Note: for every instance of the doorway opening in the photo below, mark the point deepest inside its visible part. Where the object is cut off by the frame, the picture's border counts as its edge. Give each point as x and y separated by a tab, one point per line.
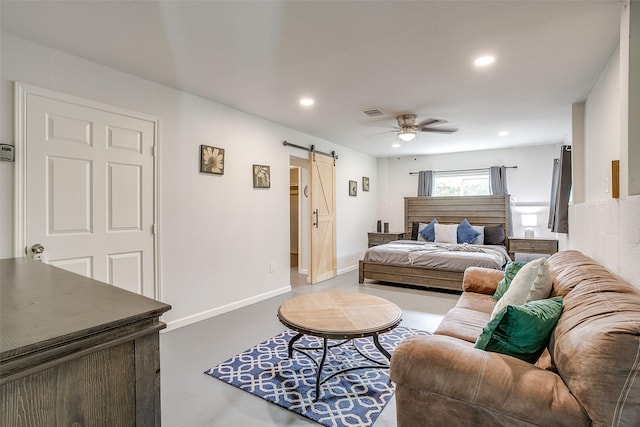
299	232
294	196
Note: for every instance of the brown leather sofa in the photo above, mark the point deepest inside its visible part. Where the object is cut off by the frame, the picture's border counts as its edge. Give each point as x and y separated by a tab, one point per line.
590	374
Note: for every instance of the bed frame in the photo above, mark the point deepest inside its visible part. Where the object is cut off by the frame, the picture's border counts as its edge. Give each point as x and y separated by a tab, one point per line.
479	210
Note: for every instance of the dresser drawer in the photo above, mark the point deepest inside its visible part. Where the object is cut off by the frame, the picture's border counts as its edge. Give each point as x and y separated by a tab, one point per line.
533	246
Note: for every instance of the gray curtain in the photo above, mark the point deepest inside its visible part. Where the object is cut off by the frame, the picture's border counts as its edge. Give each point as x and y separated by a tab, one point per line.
498	183
425	183
498	180
560	192
554	193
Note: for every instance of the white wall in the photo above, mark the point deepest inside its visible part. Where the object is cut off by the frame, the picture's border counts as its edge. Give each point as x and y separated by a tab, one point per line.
217	234
631	45
529	184
602	129
603	228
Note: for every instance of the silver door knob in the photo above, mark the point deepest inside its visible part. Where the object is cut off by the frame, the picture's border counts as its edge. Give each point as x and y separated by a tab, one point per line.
37	248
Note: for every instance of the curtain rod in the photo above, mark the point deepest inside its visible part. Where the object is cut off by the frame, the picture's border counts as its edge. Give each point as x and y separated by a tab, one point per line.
464	170
312	149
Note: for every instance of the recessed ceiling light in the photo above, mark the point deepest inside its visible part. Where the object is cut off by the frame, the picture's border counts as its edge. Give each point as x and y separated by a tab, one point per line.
307	102
484	60
395	145
503	133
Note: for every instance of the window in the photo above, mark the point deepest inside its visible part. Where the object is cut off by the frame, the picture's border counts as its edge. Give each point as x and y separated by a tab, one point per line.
470	183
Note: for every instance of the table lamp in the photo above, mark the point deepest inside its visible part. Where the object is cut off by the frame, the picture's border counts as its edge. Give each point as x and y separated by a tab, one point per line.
529	220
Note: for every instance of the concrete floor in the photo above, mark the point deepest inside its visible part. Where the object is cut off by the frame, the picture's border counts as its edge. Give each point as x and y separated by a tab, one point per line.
191	398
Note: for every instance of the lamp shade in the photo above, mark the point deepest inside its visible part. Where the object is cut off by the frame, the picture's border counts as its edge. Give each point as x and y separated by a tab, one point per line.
530	220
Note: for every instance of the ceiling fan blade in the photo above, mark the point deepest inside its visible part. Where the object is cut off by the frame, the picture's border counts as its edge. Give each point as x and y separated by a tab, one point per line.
381	133
428	122
440	130
384	126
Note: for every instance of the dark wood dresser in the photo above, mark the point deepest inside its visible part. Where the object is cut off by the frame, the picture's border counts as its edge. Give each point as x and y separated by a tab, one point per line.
75	351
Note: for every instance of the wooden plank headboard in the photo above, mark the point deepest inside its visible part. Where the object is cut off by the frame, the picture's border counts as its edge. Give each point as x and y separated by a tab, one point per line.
479	210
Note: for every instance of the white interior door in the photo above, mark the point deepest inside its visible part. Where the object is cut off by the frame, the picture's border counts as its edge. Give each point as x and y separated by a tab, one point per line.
89	189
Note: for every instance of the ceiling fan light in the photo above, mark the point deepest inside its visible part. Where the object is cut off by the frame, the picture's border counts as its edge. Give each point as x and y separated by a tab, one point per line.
407	135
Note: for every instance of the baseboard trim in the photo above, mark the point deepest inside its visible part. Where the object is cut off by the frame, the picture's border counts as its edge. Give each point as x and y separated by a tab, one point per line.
347	269
188	320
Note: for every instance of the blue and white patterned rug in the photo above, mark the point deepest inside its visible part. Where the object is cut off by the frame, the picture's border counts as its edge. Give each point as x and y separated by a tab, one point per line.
354	398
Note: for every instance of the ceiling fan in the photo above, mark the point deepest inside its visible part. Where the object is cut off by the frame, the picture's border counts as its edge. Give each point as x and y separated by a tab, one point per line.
407	127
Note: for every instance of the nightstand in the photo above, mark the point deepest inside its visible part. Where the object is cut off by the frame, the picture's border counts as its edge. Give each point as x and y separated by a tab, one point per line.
381	238
532	246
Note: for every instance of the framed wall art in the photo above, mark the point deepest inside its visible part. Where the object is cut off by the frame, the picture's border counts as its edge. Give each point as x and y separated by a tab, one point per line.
365	183
261	176
353	188
211	160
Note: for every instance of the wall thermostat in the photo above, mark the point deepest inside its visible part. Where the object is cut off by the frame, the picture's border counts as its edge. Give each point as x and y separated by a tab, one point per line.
7	153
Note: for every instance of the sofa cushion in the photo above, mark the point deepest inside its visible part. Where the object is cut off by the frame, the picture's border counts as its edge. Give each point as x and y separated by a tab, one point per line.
441	381
531	283
481	280
596	343
463	323
570	268
510	271
478	302
521	331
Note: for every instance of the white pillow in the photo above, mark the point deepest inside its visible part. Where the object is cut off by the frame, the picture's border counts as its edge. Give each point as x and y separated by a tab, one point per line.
480	239
532	282
446	233
421	226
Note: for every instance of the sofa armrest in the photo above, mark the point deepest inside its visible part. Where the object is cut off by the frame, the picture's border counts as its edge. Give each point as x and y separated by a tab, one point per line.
481	280
451	376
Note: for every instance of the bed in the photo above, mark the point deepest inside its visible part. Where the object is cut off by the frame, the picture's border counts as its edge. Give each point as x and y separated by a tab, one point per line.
399	265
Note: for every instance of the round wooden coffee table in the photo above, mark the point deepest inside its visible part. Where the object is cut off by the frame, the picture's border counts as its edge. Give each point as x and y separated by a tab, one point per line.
334	315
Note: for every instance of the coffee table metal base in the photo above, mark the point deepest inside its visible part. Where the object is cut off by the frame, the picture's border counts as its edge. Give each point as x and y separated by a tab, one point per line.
326	347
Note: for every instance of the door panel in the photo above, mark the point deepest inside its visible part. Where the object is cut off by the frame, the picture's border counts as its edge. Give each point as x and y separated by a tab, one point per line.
82	265
89	193
125	202
323	229
125	271
68	193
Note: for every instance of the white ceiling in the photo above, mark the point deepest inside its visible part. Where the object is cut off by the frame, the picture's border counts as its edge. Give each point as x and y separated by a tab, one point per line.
397	56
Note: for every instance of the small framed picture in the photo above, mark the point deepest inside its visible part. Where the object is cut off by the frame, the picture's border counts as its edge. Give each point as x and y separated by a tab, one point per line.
261	176
353	188
365	183
211	160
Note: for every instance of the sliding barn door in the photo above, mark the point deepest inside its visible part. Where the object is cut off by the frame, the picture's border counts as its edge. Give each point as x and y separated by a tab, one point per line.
323	217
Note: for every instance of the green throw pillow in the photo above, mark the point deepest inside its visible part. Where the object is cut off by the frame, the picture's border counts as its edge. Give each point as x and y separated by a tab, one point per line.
521	331
509	273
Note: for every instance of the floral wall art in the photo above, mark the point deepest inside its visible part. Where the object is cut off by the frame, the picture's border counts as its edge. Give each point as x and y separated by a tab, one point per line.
261	176
211	160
